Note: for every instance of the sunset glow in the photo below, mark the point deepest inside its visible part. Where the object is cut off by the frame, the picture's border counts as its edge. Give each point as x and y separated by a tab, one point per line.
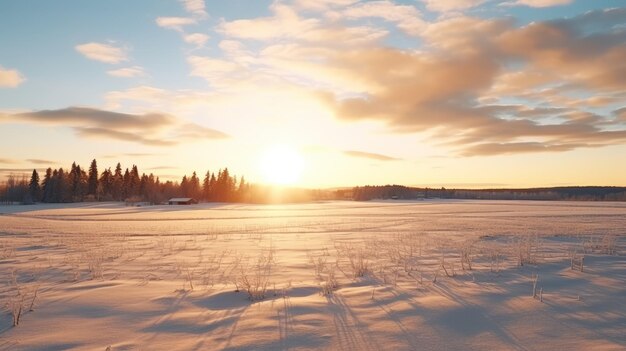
313	175
281	165
452	93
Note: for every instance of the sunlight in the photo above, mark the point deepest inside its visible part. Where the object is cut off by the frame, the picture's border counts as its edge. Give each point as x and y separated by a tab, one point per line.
281	165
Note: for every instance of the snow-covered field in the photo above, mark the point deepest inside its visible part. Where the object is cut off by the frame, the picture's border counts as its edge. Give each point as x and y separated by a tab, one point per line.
428	275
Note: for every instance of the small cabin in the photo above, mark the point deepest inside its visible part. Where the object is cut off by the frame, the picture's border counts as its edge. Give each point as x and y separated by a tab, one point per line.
182	201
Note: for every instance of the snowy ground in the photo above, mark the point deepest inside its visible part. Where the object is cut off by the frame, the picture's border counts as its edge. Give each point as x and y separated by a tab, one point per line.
336	276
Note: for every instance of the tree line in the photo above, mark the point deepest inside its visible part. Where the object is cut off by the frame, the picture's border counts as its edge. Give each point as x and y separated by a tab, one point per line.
572	193
78	184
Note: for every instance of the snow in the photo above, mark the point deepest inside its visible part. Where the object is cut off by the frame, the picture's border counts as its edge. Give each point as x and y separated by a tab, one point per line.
110	275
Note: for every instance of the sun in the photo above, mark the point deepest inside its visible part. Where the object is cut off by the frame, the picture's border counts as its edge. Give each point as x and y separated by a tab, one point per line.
281	165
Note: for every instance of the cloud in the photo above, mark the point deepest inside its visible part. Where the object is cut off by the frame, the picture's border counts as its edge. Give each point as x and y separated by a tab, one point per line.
154	129
284	23
176	23
141	93
102	52
91	117
542	3
194	131
20	170
127	72
10	78
215	70
564	48
489	149
407	17
322	5
287	25
620	114
131	154
420	91
8	161
40	162
195	7
476	86
451	5
370	155
103	133
197	39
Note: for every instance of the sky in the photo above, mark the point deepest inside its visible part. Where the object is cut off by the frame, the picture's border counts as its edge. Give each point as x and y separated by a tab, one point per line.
455	93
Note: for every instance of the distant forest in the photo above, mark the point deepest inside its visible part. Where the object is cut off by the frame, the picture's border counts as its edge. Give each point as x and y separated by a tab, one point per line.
77	185
577	193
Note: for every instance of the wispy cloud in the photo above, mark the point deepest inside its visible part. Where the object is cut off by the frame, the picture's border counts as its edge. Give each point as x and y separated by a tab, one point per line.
195	7
154	129
127	72
176	23
541	3
106	53
451	5
10	78
370	155
284	23
620	114
197	39
407	17
122	136
40	161
20	170
132	154
8	161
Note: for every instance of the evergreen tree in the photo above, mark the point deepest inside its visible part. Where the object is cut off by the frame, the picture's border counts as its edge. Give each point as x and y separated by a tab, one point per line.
241	189
134	182
118	183
34	188
77	182
213	186
194	187
46	186
184	187
105	186
63	191
126	185
206	186
92	186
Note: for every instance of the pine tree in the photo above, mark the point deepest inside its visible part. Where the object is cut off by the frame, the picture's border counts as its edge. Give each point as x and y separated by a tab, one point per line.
206	186
105	186
241	190
213	187
118	183
134	182
194	186
46	186
34	188
184	187
126	185
92	186
77	182
63	191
